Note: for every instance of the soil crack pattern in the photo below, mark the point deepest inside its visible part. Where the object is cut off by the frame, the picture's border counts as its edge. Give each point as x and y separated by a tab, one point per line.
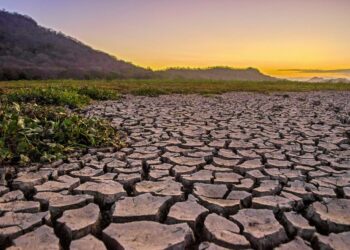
232	171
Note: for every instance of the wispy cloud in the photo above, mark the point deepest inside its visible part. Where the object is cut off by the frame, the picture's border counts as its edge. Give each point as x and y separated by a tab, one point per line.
339	71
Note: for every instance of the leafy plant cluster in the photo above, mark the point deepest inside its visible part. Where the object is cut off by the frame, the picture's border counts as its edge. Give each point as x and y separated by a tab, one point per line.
147	91
98	93
35	133
49	96
36	126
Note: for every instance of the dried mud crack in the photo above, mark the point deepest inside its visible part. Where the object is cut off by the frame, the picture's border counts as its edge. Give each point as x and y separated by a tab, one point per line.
235	171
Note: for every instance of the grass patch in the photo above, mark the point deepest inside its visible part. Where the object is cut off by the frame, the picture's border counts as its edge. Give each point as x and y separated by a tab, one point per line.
155	87
65	96
33	133
148	91
49	96
98	93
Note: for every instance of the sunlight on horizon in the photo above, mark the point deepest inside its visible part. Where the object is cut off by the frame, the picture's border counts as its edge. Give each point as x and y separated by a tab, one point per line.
269	35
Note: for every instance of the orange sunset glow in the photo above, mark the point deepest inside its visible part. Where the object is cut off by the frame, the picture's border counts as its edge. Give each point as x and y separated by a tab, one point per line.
291	38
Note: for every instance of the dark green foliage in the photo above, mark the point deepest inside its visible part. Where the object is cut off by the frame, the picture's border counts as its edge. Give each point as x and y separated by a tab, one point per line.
71	97
49	96
152	92
33	133
98	93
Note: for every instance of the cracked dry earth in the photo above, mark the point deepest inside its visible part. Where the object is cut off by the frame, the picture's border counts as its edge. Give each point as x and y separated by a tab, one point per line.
236	171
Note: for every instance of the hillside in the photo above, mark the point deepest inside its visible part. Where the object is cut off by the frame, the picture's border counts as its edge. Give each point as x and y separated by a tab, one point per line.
29	51
216	73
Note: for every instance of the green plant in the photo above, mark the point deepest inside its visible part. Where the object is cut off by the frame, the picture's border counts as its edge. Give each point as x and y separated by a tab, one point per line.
148	91
33	133
98	93
49	96
155	87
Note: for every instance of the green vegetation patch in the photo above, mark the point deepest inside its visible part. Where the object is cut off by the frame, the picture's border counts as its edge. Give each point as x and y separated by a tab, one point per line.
71	97
155	87
34	133
98	93
49	96
148	91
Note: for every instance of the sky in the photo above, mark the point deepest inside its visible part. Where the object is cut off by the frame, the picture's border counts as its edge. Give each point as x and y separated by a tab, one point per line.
284	38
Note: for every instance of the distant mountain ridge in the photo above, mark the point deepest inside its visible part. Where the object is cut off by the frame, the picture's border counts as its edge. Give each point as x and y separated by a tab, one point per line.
328	80
216	73
30	51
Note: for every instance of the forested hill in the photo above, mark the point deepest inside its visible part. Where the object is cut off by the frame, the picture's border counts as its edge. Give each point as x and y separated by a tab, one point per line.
216	73
29	51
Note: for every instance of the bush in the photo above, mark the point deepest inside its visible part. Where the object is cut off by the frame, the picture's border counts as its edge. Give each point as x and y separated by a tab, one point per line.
98	93
71	97
49	96
152	92
32	133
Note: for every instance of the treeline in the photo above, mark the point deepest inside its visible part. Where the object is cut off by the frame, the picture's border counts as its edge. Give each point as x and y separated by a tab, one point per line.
216	73
9	74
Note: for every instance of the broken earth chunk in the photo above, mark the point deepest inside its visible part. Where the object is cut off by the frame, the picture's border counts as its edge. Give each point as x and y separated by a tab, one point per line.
260	227
145	235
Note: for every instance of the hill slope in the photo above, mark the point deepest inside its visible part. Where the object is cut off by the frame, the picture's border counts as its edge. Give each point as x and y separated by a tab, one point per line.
216	73
29	51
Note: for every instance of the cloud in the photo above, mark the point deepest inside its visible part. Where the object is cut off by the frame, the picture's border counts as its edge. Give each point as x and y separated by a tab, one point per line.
339	71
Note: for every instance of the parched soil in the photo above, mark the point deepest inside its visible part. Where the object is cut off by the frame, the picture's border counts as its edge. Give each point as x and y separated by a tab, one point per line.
233	171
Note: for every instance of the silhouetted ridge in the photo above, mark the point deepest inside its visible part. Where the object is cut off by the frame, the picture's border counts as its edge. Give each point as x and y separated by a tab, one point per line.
216	73
29	51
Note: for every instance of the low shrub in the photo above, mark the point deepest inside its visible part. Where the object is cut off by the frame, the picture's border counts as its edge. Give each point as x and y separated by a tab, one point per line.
98	93
49	96
34	133
152	92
